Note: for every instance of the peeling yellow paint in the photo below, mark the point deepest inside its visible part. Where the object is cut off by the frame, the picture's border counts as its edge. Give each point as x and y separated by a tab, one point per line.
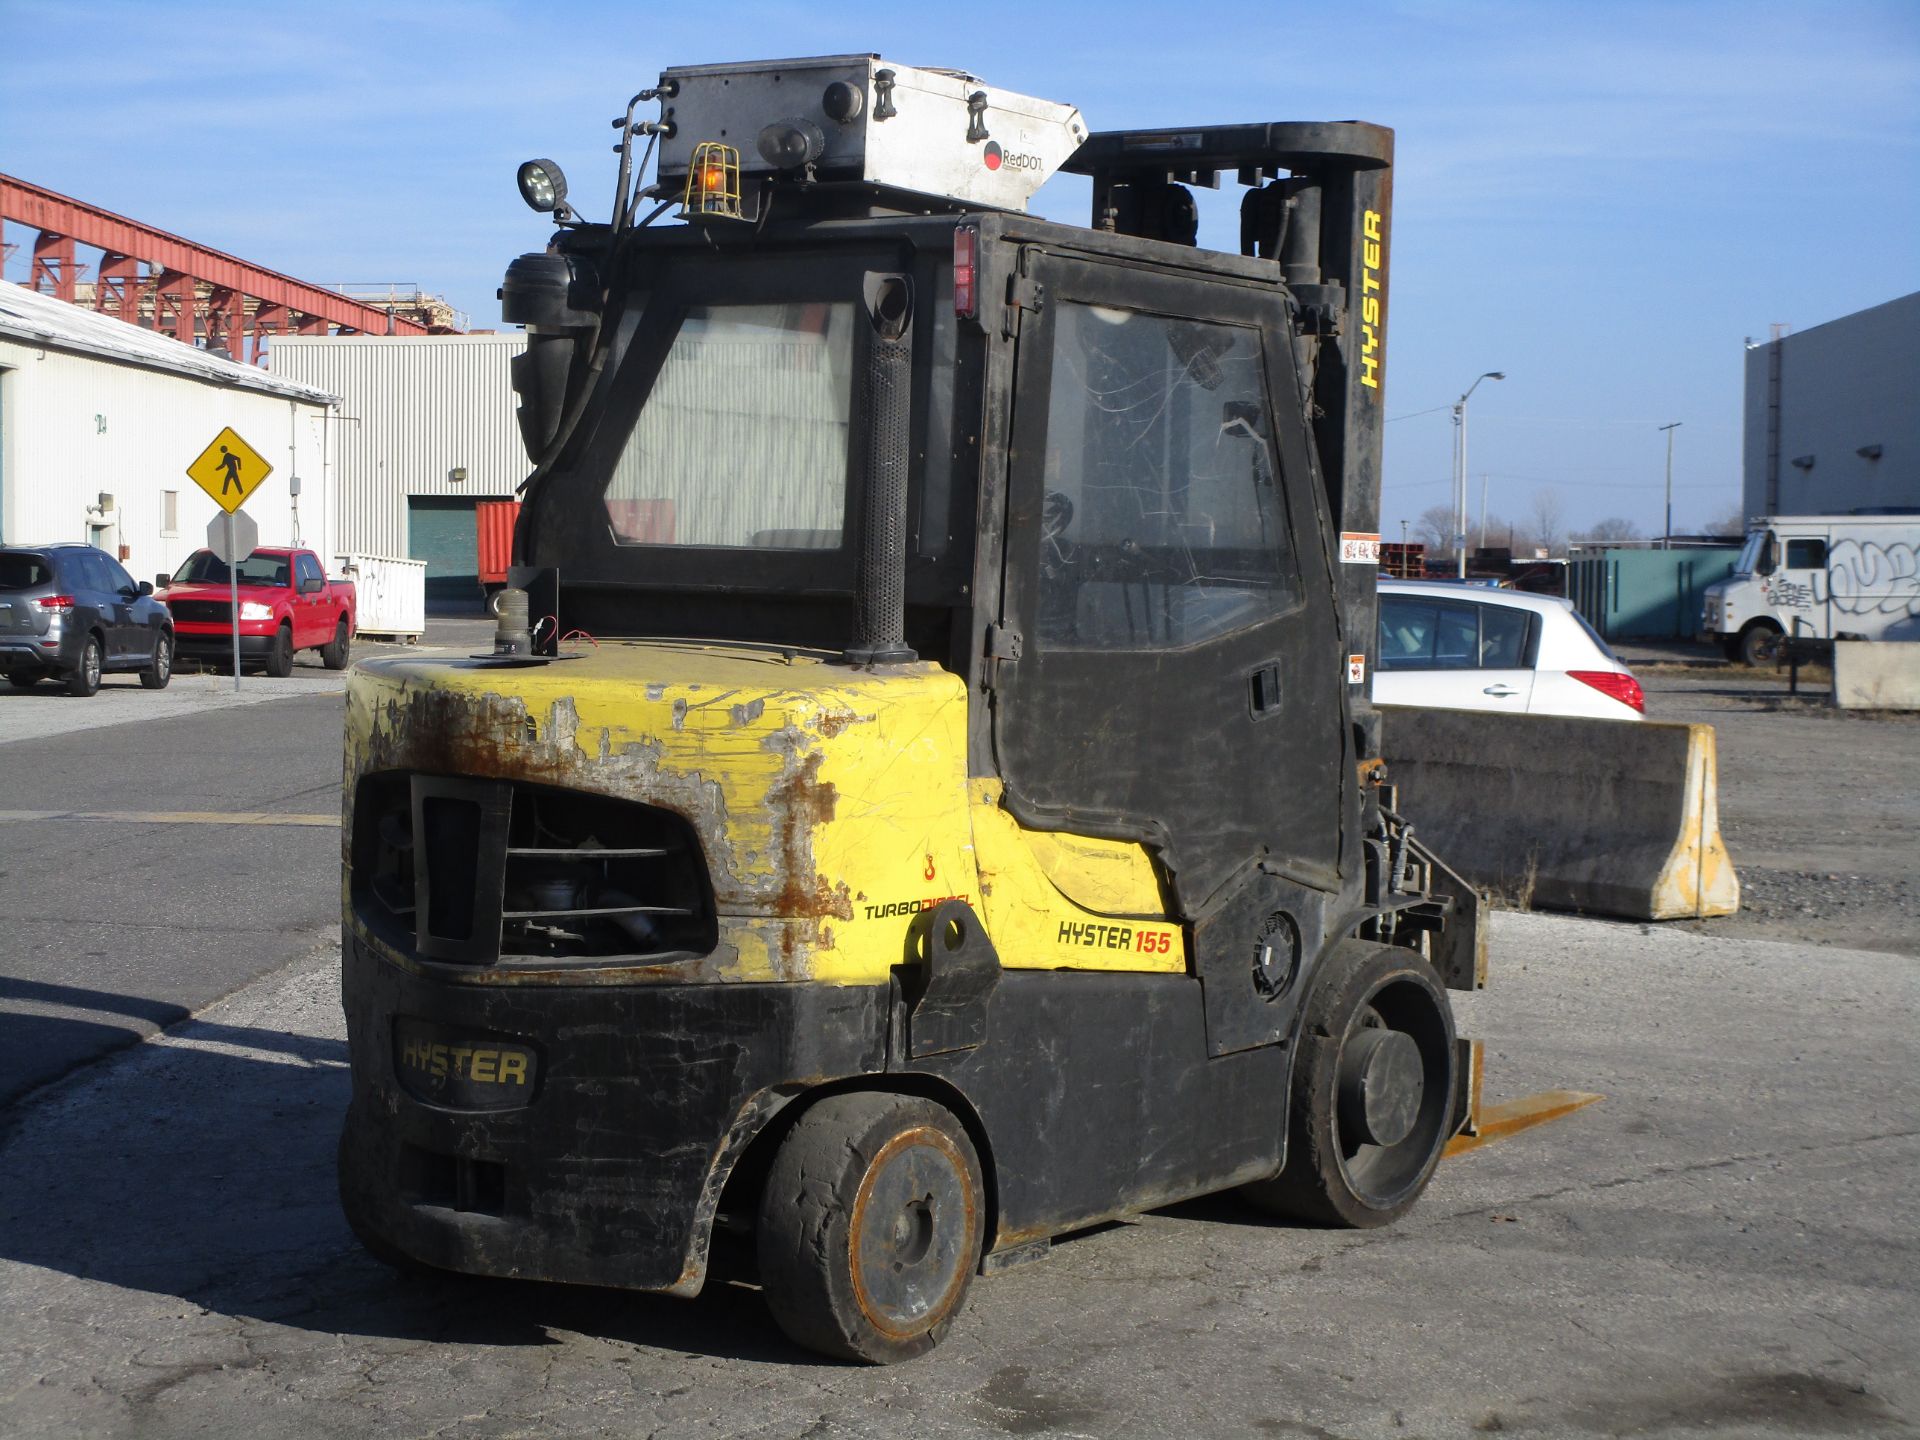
832	804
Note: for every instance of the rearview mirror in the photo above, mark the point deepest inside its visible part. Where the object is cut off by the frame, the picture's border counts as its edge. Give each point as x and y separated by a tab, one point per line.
146	587
163	580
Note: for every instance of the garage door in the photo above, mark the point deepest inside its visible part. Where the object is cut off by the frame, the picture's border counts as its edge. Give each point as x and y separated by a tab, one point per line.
442	532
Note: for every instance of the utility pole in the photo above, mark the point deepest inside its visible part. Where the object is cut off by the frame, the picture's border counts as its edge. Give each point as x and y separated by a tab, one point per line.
1483	509
1460	468
1667	543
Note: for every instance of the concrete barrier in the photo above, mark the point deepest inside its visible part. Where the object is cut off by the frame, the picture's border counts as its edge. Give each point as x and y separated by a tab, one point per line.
1601	816
1876	674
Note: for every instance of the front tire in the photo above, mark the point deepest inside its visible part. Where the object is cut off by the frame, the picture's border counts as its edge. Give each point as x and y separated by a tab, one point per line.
870	1227
160	669
1372	1097
280	656
1759	646
85	677
334	654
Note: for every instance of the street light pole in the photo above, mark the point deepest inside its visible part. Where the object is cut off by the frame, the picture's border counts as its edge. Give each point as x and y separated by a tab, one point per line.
1667	543
1460	468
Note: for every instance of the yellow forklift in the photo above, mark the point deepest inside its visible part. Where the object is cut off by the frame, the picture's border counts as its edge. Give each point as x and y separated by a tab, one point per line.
922	799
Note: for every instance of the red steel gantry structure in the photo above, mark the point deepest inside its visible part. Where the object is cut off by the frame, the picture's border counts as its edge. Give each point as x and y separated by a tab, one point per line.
194	292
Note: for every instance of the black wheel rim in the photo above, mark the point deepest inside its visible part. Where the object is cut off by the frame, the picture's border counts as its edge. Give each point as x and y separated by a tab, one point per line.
1418	1050
912	1233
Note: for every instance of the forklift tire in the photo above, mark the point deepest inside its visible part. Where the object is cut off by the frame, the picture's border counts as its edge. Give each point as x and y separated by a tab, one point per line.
870	1226
1372	1091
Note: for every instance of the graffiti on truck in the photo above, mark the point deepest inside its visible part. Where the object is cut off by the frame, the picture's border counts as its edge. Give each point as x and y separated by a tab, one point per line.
1868	578
1785	594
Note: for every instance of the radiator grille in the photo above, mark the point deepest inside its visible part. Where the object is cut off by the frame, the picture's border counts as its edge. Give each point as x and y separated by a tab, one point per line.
490	872
201	612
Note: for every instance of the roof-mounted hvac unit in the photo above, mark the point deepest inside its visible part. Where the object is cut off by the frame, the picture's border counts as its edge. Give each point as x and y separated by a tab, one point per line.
938	133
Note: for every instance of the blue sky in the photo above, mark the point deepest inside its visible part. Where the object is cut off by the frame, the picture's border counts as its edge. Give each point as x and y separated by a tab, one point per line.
1602	200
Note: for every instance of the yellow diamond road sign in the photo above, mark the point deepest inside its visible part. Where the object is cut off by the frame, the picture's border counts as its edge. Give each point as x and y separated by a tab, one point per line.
229	470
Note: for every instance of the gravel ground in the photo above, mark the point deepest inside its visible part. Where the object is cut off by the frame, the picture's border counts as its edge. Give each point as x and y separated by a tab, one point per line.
1819	807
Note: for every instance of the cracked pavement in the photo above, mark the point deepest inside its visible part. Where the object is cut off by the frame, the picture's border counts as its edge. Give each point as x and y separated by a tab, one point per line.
1727	1243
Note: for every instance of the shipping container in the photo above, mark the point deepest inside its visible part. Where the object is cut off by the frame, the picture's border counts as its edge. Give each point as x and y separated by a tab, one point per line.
493	522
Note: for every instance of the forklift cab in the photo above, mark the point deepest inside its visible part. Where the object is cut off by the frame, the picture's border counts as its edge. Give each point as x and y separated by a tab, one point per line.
923	799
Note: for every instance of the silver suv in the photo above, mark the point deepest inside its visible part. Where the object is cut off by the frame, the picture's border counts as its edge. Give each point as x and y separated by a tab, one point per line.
71	611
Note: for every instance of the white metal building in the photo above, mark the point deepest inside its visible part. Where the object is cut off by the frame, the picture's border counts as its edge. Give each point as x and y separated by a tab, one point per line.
1833	416
99	420
427	428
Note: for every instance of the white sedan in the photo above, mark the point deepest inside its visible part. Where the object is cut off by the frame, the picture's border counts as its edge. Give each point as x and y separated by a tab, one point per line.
1467	647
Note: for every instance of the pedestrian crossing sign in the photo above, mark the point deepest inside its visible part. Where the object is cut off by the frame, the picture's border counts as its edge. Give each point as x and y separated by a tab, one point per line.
229	470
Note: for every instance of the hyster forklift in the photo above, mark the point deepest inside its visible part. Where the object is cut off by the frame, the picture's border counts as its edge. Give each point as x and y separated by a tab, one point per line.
922	799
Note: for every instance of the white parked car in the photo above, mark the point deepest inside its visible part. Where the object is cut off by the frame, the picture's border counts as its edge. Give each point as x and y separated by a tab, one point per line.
1467	647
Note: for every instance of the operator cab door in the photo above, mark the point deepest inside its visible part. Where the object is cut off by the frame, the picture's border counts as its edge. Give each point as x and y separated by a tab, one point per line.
1180	678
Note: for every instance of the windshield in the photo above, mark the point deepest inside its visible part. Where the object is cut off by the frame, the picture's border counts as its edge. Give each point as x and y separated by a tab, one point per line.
1750	553
742	442
206	568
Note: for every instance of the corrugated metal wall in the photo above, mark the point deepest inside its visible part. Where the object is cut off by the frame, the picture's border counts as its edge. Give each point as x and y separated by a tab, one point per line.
72	426
412	412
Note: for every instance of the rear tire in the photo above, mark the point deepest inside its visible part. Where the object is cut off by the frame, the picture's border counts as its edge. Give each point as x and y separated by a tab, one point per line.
280	656
25	679
870	1226
335	653
1372	1102
84	679
1759	645
160	669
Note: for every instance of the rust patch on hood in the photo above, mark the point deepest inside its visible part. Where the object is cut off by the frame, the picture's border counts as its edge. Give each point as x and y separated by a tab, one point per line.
801	803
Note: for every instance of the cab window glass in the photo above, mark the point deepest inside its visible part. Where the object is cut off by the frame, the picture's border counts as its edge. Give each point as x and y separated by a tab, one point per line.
1433	635
1162	522
1806	554
1406	633
742	441
308	568
24	572
1503	637
1456	640
117	577
93	571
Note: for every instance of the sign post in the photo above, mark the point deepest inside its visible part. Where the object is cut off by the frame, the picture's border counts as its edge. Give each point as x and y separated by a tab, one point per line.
233	537
230	470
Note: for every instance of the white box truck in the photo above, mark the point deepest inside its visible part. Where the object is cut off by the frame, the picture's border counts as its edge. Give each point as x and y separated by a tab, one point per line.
1841	577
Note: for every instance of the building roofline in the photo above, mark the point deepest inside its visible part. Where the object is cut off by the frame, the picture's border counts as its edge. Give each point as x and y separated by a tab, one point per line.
30	318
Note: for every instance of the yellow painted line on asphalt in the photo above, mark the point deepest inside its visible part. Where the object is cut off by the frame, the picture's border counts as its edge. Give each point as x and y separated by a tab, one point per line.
175	817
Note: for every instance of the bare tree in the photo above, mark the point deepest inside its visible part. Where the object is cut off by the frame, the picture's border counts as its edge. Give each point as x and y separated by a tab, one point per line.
1435	527
1614	527
1549	518
1732	522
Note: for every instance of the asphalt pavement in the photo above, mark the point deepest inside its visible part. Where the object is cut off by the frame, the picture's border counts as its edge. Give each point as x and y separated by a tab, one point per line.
160	849
1725	1245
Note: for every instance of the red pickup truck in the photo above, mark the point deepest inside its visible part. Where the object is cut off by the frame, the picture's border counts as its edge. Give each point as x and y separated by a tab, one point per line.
287	603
